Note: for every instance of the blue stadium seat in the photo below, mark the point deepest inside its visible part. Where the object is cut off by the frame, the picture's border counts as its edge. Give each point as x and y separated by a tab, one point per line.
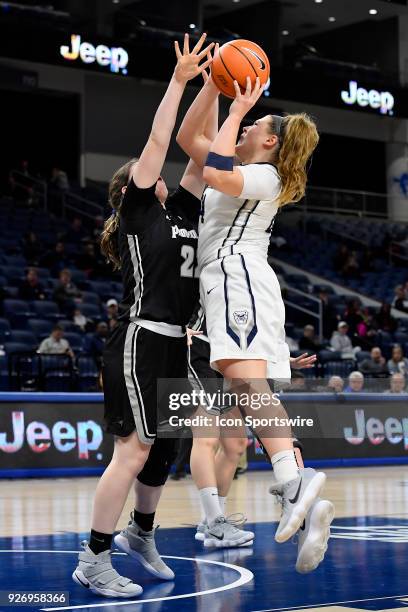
40	327
361	355
15	347
18	261
88	373
401	337
89	297
339	368
69	326
90	310
17	311
13	274
46	309
24	337
326	356
57	373
5	330
75	340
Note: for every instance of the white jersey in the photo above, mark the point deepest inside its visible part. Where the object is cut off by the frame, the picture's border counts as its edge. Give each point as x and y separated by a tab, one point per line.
231	225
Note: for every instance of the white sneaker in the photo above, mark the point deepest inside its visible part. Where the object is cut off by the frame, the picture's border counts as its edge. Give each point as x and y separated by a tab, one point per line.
200	533
223	533
95	572
313	536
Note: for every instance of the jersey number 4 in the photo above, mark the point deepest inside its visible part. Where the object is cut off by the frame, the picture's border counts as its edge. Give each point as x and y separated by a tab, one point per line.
188	270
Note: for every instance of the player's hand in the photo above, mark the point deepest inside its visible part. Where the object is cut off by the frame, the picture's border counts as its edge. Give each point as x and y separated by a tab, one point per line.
245	101
188	62
190	334
303	361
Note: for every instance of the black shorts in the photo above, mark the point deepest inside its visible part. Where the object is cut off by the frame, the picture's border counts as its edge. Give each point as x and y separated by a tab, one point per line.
200	373
134	359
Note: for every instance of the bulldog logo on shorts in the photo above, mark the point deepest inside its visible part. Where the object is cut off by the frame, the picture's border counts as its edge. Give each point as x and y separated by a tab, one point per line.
241	317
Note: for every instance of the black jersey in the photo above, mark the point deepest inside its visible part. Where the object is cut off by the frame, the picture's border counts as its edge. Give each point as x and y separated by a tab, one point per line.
158	252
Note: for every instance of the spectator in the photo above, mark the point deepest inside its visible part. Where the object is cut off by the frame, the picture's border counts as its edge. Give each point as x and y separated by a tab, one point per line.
328	313
95	343
298	382
384	319
397	384
366	332
336	384
341	342
341	256
76	233
86	260
97	231
400	301
56	344
355	383
56	259
353	317
32	248
397	363
66	293
31	289
308	341
112	308
80	320
59	179
375	366
351	268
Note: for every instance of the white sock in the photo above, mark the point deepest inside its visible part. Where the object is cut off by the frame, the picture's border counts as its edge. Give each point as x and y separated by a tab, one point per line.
284	466
211	505
223	503
203	516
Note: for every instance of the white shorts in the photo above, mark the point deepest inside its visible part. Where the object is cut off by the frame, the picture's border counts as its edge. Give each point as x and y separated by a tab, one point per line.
244	311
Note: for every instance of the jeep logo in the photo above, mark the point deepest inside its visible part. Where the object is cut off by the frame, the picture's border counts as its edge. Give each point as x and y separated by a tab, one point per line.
383	101
116	58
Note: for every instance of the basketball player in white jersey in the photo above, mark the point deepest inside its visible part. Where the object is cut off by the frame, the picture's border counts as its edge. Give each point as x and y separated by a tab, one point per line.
239	291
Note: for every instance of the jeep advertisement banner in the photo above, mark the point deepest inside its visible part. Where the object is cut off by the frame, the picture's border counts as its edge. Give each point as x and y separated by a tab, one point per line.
53	435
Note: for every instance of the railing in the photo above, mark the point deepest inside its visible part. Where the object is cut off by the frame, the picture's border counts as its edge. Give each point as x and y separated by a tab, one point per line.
80	206
347	202
316	315
27	181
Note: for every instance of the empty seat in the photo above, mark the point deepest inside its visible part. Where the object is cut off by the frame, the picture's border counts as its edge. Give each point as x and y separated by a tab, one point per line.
5	330
89	297
40	327
48	310
75	340
15	347
24	337
90	310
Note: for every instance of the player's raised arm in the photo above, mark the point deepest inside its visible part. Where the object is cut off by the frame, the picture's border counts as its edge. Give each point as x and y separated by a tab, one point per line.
188	66
200	124
219	171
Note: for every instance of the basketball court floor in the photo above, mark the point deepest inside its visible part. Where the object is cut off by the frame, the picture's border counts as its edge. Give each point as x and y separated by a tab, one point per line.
366	567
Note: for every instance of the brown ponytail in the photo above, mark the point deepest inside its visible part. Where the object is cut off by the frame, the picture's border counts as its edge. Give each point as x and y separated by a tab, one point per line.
109	245
299	139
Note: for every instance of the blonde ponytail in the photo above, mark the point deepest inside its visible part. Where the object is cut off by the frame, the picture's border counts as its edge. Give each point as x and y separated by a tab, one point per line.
109	242
299	139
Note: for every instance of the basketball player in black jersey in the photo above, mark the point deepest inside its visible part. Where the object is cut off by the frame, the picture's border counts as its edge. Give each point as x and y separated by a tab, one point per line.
155	249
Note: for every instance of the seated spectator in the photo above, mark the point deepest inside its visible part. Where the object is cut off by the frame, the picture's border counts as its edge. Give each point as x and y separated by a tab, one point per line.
341	256
86	260
355	383
56	344
56	259
366	331
31	289
297	383
384	319
80	320
400	301
66	294
353	317
112	308
397	384
341	342
59	179
76	233
397	363
95	343
308	341
32	248
351	268
375	366
336	384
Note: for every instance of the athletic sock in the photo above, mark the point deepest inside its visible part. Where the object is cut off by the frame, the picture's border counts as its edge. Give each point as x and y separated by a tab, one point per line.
203	518
100	541
211	505
144	521
223	503
284	466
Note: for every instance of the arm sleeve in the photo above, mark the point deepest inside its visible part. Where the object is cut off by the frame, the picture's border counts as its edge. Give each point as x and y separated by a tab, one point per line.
184	203
140	208
261	182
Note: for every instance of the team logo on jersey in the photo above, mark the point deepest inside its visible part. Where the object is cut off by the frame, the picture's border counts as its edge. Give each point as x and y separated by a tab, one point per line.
184	233
241	317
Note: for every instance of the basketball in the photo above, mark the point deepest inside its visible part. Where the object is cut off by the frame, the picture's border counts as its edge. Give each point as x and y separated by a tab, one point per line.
236	60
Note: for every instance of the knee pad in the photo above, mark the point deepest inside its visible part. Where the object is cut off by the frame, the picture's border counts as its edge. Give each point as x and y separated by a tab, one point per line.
157	467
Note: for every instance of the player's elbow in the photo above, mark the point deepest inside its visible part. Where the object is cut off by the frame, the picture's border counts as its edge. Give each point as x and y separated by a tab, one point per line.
211	177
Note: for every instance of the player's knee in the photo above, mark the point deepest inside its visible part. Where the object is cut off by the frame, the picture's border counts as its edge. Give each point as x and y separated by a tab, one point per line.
206	445
157	467
233	448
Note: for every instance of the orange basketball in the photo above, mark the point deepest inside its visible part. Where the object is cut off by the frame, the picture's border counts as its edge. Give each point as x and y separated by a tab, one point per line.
235	61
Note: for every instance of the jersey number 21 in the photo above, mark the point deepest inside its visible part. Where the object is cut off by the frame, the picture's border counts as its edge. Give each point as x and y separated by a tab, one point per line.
187	269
